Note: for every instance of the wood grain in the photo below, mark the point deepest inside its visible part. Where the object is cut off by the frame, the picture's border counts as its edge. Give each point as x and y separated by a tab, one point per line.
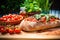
45	34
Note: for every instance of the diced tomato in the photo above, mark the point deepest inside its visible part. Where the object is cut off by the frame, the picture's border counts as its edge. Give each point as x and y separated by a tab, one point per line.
34	20
52	19
31	19
43	19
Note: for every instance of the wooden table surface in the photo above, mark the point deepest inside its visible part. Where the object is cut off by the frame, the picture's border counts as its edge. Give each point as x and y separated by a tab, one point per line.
50	34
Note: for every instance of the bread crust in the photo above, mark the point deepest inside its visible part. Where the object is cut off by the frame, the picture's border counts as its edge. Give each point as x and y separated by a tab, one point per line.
34	26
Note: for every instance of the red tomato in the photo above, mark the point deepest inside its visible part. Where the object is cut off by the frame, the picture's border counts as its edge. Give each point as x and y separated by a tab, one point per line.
4	19
1	19
43	19
16	18
7	29
1	27
2	30
52	19
10	15
14	15
20	16
17	30
34	20
4	16
31	19
11	31
11	18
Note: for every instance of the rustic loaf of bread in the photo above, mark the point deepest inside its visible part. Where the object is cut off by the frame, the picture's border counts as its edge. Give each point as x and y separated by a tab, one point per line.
34	26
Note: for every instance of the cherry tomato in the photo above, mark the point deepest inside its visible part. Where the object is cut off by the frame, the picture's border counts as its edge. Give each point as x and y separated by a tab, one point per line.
1	19
34	20
2	30
4	19
17	30
4	16
16	18
1	27
11	18
11	31
7	29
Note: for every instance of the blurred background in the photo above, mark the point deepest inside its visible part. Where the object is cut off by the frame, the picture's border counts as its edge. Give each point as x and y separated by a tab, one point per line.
8	6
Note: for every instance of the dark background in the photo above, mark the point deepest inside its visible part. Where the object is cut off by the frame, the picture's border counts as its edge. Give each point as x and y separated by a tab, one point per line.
55	5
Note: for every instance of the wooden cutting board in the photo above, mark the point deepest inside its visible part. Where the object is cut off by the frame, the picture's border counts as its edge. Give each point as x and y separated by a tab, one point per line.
45	34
